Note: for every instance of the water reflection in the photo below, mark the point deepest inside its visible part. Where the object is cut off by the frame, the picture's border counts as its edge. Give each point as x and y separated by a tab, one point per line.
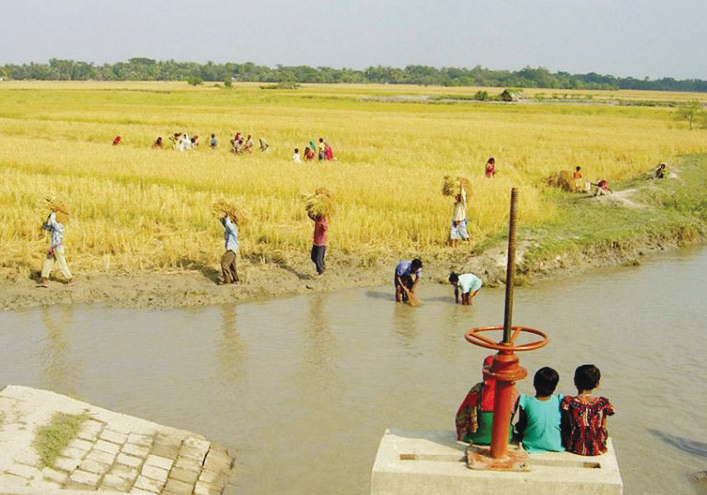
405	324
318	333
230	355
59	370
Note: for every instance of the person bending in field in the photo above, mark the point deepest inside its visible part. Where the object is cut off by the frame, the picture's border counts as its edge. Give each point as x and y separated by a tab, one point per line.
264	145
229	260
249	144
309	154
467	284
213	143
295	157
407	275
490	169
602	188
157	144
117	140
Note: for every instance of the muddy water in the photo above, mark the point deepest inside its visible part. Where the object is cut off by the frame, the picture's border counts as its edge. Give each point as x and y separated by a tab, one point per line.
301	389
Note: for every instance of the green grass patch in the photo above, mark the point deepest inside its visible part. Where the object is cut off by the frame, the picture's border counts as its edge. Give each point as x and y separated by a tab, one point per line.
54	437
676	209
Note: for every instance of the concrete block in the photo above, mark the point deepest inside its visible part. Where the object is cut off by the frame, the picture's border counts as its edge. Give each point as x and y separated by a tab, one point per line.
90	430
188	463
85	478
129	473
105	446
94	467
135	449
66	463
114	483
138	491
202	488
28	457
113	436
148	484
433	463
50	474
100	456
177	487
160	462
81	445
129	460
12	481
24	471
73	453
218	459
138	439
195	448
185	475
155	473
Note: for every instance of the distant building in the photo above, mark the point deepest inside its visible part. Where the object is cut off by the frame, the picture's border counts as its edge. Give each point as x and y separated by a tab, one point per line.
511	95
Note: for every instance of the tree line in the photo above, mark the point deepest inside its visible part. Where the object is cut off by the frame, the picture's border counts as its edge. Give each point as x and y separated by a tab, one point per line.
146	69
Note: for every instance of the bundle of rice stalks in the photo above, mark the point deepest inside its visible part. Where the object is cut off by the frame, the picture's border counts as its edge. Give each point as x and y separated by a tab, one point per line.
451	186
320	204
562	179
59	208
233	211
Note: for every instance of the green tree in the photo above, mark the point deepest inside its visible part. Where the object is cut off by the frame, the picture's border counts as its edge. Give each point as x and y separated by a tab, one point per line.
691	112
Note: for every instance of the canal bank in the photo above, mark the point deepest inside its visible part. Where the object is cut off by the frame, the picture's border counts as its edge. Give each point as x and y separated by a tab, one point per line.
642	217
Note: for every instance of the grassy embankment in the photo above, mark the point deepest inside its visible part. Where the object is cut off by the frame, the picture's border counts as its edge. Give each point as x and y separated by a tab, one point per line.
140	210
657	214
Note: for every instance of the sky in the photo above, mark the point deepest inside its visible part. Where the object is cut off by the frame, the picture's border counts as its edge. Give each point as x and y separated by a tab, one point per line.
637	38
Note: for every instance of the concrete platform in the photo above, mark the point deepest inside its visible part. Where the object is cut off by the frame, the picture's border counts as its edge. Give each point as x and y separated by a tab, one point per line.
112	453
433	463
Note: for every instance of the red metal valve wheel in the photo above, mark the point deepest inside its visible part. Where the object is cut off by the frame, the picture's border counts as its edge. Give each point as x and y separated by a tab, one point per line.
474	336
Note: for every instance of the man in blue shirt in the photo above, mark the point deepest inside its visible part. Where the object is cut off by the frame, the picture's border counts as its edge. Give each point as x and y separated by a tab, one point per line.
230	257
403	280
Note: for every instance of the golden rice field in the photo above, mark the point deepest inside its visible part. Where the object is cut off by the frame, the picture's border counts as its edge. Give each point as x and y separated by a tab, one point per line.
138	209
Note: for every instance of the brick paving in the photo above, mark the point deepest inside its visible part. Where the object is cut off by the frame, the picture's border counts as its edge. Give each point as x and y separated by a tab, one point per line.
112	452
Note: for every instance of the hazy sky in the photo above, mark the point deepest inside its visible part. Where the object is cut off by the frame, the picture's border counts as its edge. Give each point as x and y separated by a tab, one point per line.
639	38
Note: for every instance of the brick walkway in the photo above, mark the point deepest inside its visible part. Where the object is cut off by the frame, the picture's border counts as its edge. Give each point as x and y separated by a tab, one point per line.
112	452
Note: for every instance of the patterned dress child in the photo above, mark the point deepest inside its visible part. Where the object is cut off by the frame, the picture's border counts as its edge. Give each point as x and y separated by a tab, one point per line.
583	427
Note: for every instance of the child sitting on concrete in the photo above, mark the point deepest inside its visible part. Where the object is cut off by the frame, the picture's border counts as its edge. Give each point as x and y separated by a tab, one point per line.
475	414
539	417
584	416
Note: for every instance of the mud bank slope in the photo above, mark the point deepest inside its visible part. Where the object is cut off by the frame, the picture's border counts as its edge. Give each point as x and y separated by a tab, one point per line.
644	217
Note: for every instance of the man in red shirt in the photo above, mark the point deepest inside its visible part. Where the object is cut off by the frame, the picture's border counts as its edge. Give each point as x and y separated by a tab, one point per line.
321	226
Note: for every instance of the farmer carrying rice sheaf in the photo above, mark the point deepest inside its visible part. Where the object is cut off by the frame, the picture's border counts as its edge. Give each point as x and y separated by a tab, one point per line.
320	206
55	222
458	227
231	217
